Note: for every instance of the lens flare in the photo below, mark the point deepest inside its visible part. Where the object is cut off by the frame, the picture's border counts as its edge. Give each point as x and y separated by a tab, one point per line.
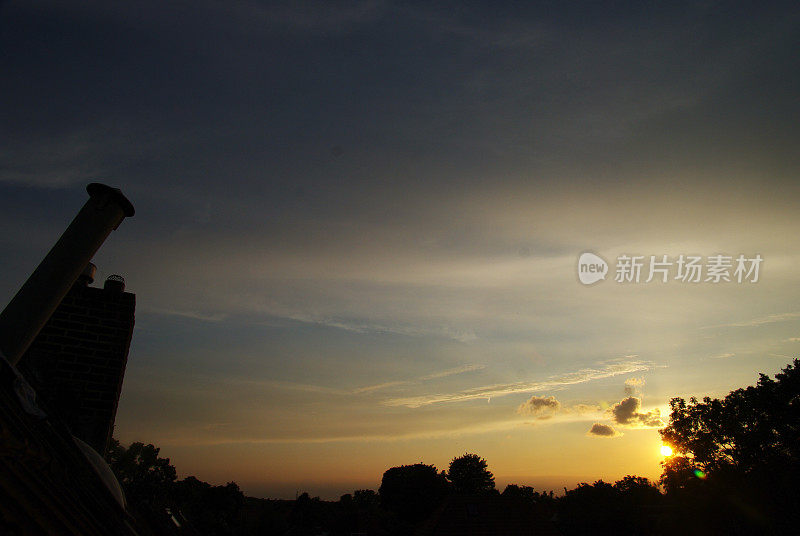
699	474
666	450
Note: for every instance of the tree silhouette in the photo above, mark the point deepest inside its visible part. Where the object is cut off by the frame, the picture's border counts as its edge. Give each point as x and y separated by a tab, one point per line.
639	500
213	509
590	509
626	507
365	498
519	493
739	457
144	476
159	502
749	428
469	474
307	515
412	491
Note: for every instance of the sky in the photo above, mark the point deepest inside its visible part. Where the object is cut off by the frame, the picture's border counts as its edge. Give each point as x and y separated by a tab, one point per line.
358	224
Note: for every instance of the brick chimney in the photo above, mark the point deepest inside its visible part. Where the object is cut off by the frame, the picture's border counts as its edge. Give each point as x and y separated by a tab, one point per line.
77	362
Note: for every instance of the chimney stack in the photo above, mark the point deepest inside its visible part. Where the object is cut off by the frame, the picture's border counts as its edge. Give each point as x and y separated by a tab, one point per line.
31	307
87	275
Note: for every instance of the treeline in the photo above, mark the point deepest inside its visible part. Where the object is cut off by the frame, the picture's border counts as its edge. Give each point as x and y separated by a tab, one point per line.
735	471
161	504
408	498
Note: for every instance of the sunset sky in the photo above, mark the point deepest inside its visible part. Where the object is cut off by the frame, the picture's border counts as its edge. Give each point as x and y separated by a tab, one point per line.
358	224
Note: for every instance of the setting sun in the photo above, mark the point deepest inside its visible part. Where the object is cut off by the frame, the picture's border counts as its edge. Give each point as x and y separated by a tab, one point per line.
666	450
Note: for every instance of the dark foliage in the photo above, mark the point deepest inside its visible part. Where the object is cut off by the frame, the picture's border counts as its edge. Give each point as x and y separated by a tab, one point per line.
412	491
210	509
736	462
630	506
747	429
365	498
527	494
144	476
470	474
521	493
165	505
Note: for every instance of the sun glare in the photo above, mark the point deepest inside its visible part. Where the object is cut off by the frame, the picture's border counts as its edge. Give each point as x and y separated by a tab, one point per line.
666	450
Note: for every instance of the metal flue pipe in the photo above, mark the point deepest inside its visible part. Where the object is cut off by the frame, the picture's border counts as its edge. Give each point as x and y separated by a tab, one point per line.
31	307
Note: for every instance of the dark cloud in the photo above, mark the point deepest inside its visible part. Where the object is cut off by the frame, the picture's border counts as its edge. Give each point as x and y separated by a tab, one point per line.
537	405
602	430
627	413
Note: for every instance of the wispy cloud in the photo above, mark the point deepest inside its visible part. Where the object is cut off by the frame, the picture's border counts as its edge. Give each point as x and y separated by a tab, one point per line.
379	386
399	329
311	388
453	371
432	376
202	436
758	321
224	433
609	369
722	356
195	315
634	386
582	409
287	385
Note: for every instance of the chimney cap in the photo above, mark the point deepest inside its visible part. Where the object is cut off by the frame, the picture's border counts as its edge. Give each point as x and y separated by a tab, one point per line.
116	194
115	283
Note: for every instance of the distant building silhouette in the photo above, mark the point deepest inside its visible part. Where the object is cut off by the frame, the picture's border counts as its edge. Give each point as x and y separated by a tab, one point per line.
77	362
